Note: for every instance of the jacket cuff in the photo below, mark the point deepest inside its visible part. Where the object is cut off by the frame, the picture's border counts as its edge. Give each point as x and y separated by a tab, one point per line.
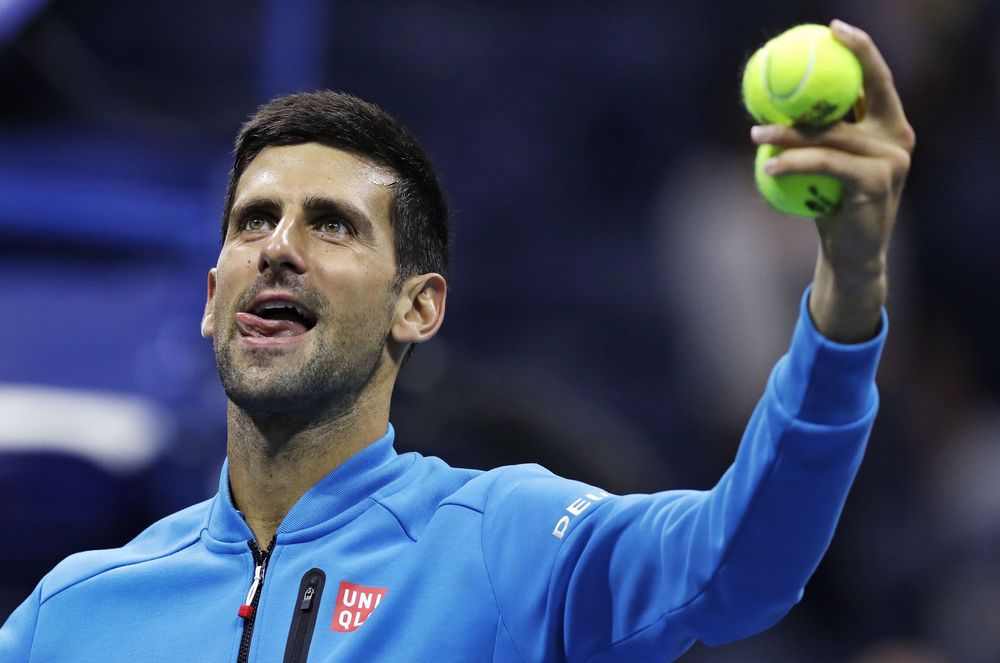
824	382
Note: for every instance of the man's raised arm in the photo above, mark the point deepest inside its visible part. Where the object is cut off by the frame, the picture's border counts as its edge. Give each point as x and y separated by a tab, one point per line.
591	577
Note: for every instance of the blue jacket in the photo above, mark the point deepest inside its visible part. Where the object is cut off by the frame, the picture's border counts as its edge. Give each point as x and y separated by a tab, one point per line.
403	558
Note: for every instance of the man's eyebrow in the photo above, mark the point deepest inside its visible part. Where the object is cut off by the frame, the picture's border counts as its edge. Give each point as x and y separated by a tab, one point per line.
321	205
262	204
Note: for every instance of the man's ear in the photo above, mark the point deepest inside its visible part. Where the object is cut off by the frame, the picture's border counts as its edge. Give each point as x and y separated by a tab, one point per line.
420	309
208	317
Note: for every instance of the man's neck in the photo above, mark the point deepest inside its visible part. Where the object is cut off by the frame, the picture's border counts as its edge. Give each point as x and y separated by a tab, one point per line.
274	459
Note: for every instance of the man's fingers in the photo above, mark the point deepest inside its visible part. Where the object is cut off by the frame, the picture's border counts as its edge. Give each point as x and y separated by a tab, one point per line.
841	136
880	91
875	176
882	100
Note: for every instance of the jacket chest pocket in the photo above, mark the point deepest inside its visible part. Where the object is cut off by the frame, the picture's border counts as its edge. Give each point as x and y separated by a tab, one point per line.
306	611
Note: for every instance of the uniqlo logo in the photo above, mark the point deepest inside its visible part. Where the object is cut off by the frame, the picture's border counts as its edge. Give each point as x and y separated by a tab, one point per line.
354	604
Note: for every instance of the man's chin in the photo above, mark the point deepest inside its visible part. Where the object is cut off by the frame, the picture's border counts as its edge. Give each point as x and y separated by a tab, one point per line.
265	379
293	378
257	398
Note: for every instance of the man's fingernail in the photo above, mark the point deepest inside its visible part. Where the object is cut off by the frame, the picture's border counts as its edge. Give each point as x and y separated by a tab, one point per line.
771	166
761	134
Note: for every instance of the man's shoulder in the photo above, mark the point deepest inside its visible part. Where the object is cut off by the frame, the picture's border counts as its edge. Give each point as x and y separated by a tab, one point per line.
165	537
444	485
432	484
493	485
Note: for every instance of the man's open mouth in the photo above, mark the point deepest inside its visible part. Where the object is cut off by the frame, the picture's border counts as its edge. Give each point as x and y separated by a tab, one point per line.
274	316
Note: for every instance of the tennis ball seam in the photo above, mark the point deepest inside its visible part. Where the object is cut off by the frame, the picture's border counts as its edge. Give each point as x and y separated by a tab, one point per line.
810	65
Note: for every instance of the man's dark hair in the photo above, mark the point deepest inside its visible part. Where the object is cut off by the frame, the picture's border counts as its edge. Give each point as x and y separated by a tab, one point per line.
418	213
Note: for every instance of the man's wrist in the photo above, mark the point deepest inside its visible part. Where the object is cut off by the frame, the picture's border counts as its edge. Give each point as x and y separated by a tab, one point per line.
846	301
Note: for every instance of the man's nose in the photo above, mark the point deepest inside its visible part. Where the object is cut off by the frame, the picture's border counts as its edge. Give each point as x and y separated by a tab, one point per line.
283	250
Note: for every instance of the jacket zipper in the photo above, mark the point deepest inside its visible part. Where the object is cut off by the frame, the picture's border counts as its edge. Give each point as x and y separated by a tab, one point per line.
248	611
304	616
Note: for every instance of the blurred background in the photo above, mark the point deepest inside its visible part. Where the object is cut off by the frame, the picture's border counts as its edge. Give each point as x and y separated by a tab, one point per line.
619	290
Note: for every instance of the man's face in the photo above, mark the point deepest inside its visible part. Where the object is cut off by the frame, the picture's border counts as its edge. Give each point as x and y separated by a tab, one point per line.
302	299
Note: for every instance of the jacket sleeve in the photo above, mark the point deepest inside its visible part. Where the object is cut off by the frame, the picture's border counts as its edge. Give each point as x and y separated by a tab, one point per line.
18	631
641	577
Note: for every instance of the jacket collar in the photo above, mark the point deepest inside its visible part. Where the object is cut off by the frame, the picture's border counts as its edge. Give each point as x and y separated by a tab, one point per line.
335	500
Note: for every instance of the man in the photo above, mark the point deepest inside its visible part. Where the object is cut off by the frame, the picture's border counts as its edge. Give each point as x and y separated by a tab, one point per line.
323	544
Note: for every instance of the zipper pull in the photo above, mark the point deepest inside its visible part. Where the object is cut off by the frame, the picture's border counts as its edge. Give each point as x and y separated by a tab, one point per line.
246	610
307	598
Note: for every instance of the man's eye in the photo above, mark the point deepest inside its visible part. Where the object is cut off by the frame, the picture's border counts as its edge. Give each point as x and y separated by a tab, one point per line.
253	223
334	228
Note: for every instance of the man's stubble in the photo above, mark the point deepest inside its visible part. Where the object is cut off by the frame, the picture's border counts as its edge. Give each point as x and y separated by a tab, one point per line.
320	387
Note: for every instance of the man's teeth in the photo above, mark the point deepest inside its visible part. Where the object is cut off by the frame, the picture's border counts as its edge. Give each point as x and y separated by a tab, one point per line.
273	305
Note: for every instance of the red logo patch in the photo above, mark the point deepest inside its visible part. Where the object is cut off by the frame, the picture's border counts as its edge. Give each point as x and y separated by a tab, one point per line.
354	604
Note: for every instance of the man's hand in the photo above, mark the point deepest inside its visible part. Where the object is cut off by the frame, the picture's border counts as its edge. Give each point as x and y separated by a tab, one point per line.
871	157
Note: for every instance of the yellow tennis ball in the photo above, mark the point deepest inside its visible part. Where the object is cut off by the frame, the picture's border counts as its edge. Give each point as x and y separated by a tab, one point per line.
799	194
802	76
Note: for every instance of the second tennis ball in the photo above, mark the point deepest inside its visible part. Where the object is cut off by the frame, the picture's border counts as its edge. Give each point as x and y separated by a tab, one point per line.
803	76
805	195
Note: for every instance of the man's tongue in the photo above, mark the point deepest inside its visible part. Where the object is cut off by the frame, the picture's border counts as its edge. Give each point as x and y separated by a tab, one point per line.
253	325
